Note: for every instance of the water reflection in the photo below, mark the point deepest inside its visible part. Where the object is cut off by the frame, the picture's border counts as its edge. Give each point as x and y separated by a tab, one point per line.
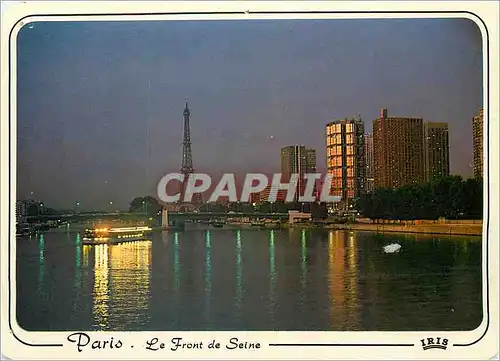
208	273
165	236
85	251
352	281
176	264
303	259
343	282
343	278
130	264
238	270
78	272
336	271
78	251
78	261
272	275
41	258
123	271
101	291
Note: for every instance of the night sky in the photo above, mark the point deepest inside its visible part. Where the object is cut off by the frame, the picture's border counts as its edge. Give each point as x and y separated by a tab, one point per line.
100	103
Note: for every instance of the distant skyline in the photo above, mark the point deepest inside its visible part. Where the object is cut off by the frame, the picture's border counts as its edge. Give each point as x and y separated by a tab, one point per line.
100	103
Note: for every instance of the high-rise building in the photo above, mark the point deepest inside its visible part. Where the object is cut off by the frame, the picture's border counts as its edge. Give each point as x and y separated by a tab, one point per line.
345	158
263	197
477	135
398	151
21	210
28	207
436	151
255	198
369	178
297	159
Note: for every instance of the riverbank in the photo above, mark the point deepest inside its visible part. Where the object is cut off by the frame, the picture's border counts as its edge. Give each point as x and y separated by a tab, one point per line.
459	228
473	229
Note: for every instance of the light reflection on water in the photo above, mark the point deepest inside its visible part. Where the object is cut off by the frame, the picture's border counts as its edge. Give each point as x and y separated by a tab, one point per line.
208	276
101	291
239	280
328	280
272	276
303	259
176	264
41	270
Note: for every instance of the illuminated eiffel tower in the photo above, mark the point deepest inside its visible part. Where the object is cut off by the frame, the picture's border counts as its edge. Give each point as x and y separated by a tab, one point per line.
187	163
187	157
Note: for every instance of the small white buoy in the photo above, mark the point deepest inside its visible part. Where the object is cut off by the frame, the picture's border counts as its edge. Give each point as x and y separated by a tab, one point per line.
391	248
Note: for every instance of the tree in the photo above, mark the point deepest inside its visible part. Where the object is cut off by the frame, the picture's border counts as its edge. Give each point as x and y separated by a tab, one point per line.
147	205
33	210
319	211
450	197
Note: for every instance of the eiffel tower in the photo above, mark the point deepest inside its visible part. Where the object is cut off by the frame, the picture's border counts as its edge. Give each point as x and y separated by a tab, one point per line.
187	163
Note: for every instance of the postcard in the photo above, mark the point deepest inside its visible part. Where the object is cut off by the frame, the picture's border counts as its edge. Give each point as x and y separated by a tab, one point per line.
236	180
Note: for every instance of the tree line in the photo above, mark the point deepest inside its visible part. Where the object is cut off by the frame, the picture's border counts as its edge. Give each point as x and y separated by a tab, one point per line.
451	198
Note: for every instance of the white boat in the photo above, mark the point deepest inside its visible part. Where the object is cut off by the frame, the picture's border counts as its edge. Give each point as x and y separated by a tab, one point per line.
391	248
115	235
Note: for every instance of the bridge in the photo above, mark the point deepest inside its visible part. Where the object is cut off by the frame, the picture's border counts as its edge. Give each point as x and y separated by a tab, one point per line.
127	216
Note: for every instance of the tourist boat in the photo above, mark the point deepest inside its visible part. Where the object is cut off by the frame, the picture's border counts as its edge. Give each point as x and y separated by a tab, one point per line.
115	235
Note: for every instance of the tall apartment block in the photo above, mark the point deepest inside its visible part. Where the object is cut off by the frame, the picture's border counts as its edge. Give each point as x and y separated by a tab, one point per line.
263	197
369	166
437	151
477	136
345	158
398	153
297	159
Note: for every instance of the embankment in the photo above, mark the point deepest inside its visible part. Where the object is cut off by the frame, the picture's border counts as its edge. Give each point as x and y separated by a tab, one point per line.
472	228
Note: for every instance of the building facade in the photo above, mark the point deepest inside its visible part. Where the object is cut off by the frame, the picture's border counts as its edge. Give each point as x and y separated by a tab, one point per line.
28	207
477	135
369	177
297	159
437	151
345	158
263	197
21	210
398	153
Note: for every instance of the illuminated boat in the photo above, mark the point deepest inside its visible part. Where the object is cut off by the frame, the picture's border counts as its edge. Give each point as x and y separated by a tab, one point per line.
115	235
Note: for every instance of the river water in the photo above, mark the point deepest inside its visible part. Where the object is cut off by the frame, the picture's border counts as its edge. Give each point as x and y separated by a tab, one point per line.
245	279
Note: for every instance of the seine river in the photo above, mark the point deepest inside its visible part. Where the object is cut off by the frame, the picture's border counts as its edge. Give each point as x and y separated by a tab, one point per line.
245	279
